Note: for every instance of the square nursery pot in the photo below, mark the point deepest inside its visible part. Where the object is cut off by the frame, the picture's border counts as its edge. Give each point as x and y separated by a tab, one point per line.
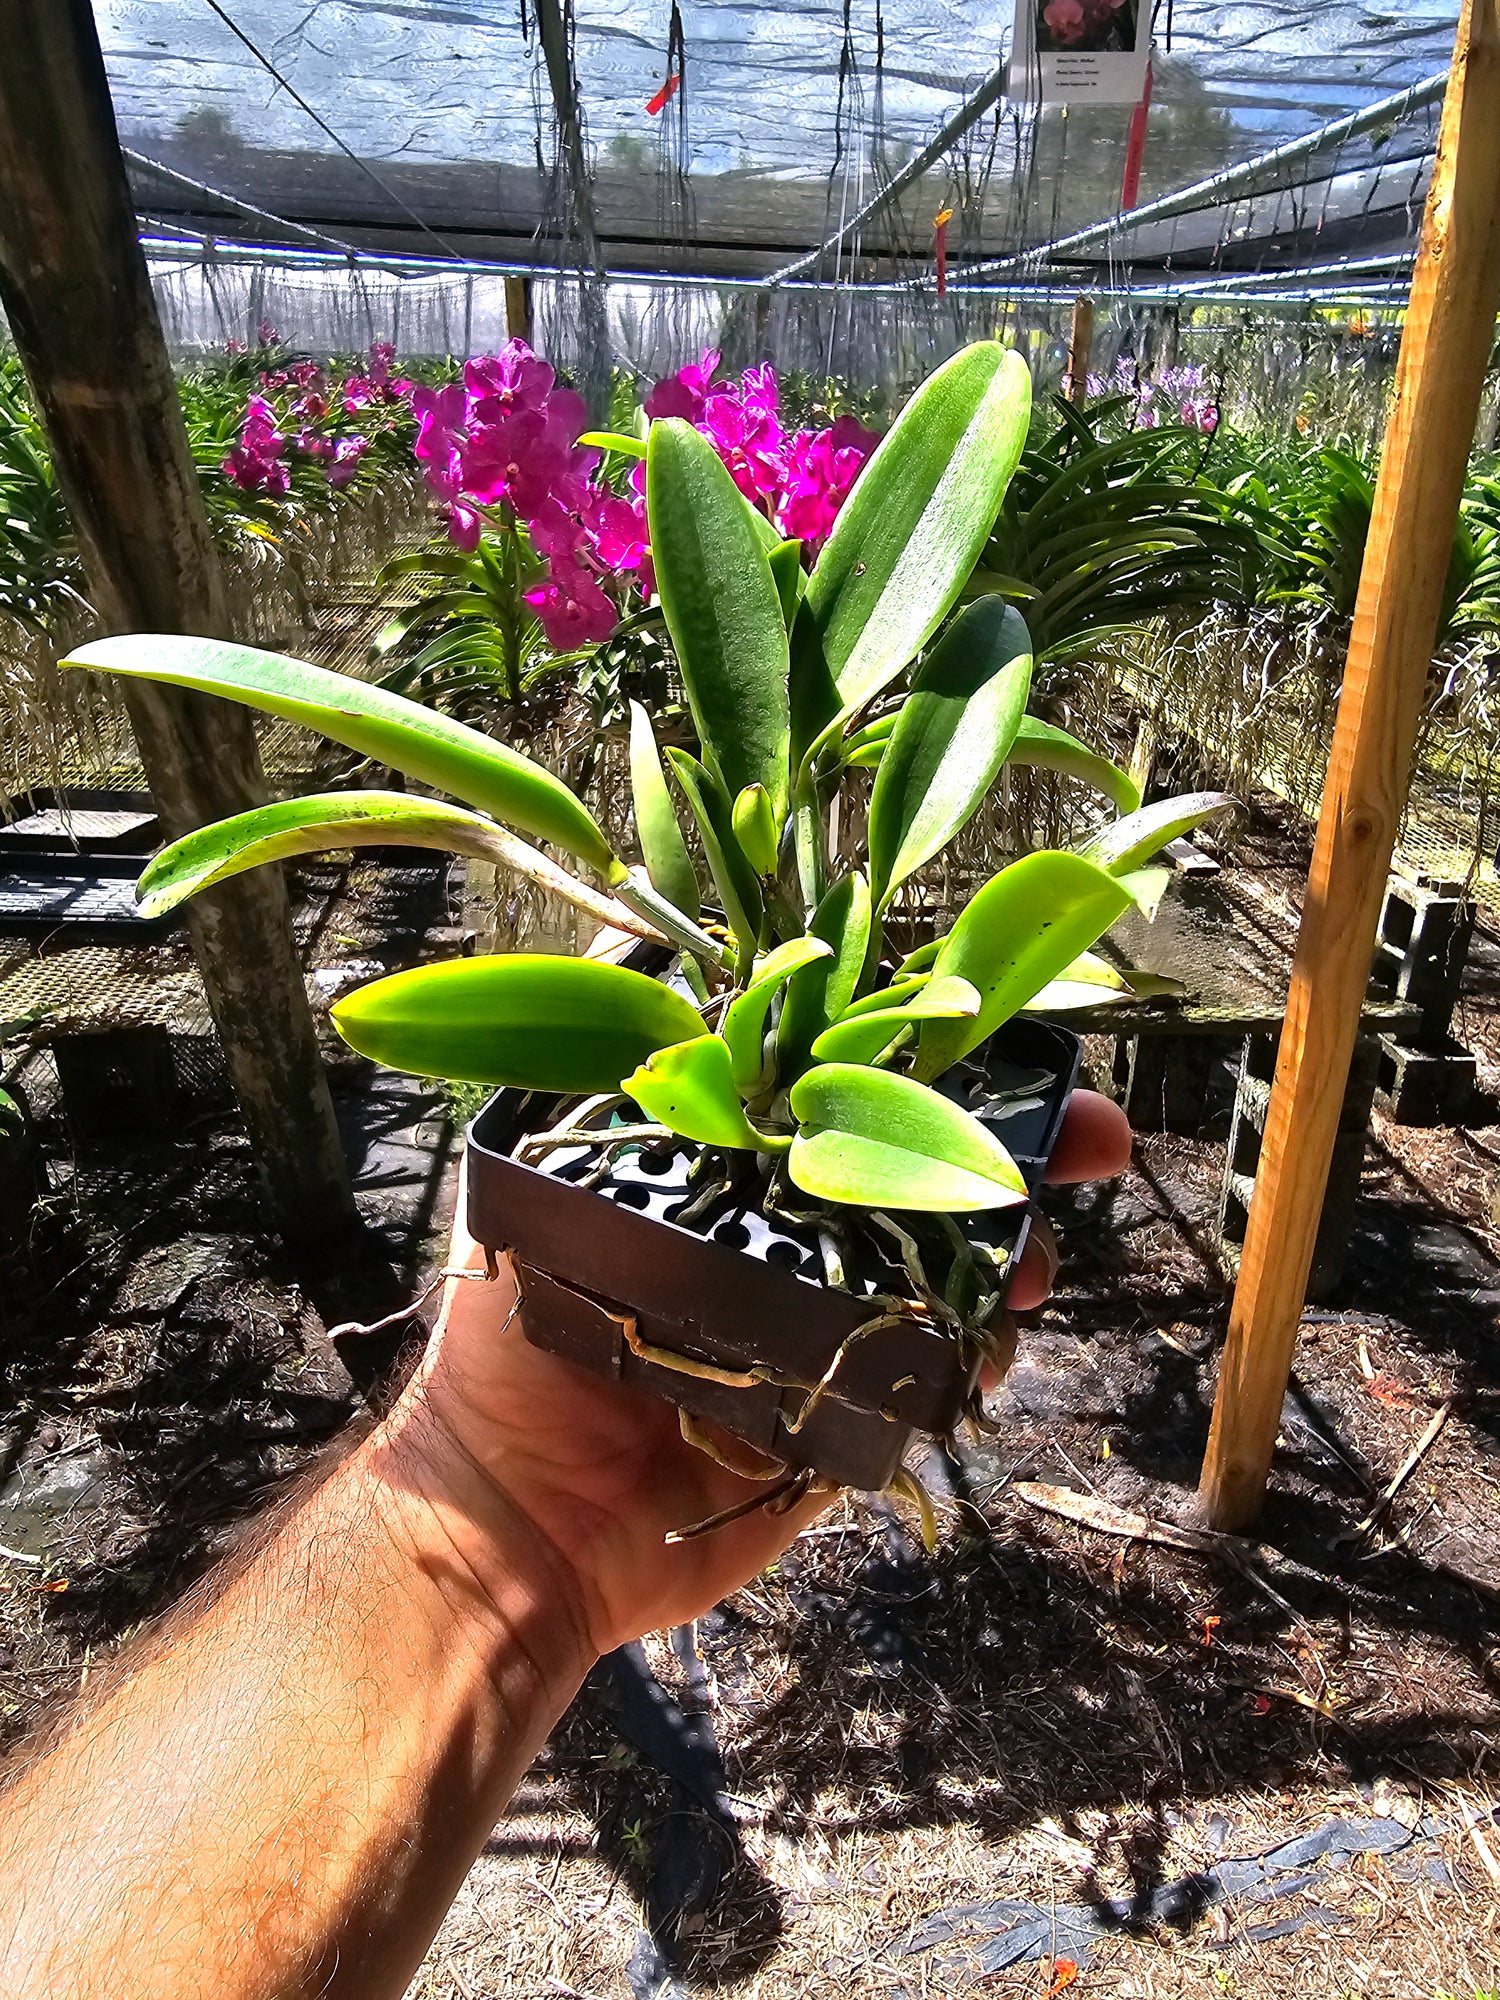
608	1271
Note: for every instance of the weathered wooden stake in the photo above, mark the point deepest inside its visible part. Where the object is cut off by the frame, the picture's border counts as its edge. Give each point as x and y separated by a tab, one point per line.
75	288
1450	330
1080	346
518	307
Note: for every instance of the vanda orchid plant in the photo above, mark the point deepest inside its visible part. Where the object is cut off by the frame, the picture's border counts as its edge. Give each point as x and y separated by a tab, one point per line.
803	1047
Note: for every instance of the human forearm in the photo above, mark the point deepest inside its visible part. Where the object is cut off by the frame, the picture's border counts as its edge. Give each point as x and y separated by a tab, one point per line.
285	1795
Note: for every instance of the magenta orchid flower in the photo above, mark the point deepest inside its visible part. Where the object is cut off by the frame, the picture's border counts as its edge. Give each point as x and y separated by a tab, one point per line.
515	378
684	394
464	525
442	432
344	463
572	608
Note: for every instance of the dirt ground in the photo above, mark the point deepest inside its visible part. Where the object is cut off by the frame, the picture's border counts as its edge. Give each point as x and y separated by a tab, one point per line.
1045	1758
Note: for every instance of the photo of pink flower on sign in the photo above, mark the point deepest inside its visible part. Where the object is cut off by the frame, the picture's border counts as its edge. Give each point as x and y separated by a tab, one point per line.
1086	25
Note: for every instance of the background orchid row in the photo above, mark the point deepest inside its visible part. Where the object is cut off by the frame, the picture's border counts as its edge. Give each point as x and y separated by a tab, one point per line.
300	412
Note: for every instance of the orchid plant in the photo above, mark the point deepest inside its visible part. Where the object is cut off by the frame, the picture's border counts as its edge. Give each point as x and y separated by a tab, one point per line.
791	1038
550	558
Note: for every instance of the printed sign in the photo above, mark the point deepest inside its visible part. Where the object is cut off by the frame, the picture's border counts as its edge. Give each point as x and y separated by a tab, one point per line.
1080	51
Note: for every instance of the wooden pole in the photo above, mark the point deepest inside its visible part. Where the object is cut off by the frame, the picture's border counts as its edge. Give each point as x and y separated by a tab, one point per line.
1450	330
1080	346
75	288
518	307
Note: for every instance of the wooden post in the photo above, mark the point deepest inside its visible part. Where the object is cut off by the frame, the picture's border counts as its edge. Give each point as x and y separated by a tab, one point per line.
1080	346
75	288
518	307
1450	330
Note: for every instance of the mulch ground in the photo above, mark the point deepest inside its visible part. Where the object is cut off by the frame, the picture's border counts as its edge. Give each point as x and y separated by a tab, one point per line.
870	1771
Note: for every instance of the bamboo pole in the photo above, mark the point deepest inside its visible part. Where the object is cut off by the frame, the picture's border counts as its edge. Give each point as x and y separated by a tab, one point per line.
1450	331
1080	346
75	288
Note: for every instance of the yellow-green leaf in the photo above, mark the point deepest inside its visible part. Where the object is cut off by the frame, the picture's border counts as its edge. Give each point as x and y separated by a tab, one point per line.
744	1023
1018	932
690	1089
533	1021
662	846
722	609
869	1137
419	741
921	510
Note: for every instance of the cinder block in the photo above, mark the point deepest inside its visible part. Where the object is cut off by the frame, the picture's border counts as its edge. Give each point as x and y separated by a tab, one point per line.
1172	1083
1421	949
119	1080
1424	1086
1257	1070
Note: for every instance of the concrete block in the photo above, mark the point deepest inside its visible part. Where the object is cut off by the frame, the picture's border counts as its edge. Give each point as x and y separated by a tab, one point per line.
1426	1086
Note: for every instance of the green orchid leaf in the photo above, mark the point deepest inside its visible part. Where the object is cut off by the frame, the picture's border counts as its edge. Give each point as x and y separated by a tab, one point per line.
1049	749
791	578
723	611
864	748
949	739
535	1022
819	993
896	994
1126	843
621	441
421	742
1018	932
755	829
860	1038
734	878
1145	888
744	1024
690	1089
1090	981
357	819
662	846
813	695
762	527
917	518
884	1141
921	960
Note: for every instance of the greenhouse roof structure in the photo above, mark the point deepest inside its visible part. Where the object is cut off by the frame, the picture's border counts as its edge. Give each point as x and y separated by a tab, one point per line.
787	141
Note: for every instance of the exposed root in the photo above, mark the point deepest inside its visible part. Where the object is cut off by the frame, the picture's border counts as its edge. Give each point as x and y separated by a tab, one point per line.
352	1327
542	1143
907	1486
777	1499
702	1371
763	1467
911	1257
820	1388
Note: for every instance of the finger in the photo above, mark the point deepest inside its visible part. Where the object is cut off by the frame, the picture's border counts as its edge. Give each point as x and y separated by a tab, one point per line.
1036	1270
1094	1141
1003	1338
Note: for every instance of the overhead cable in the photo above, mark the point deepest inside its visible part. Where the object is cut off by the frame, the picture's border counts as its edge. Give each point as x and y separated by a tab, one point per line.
233	201
324	127
968	113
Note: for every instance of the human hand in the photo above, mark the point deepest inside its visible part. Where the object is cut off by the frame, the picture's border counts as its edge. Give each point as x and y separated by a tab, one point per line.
600	1473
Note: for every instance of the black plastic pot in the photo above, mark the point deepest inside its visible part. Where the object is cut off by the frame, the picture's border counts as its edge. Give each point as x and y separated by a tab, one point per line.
608	1271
